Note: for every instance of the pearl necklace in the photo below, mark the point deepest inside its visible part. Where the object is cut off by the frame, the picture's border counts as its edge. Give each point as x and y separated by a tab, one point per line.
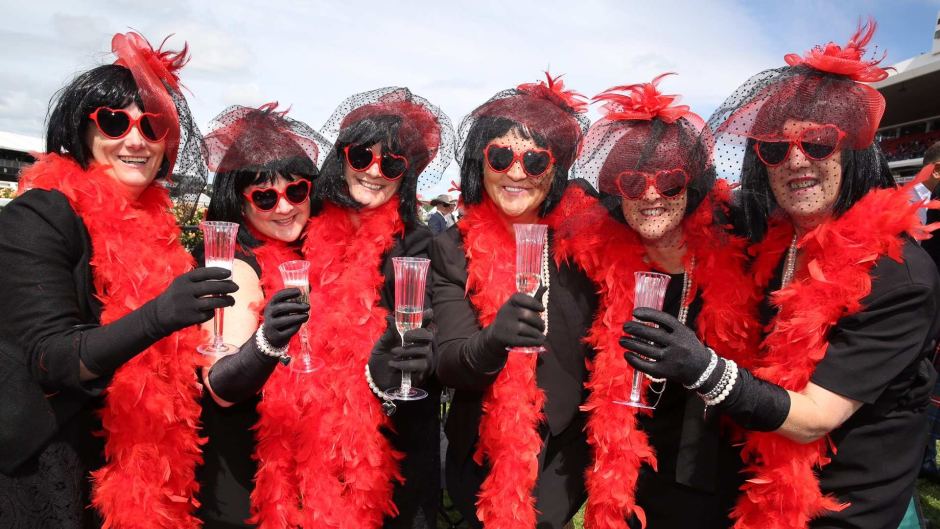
789	266
546	284
686	287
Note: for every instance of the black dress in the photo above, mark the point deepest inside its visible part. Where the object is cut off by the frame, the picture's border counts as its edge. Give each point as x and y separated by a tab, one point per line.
880	356
227	475
46	298
697	478
560	373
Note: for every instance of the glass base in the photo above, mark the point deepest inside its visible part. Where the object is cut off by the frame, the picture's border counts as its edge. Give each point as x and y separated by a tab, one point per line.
211	349
409	394
635	404
526	350
304	366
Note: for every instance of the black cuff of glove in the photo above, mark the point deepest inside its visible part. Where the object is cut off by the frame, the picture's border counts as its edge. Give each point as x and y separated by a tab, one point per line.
237	377
714	378
106	348
756	404
482	356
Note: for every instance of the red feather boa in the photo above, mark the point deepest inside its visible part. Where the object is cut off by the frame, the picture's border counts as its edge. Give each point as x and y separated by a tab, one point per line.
151	406
610	253
512	405
784	492
323	459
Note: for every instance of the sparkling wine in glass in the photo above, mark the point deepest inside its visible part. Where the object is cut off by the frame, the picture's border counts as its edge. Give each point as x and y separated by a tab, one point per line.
649	292
410	278
219	242
530	247
295	275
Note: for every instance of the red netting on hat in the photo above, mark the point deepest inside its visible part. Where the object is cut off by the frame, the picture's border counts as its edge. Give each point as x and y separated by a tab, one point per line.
156	75
641	130
821	88
544	108
425	134
264	138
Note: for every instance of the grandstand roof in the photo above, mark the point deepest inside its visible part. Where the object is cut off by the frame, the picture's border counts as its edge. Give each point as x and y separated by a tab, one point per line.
912	89
19	142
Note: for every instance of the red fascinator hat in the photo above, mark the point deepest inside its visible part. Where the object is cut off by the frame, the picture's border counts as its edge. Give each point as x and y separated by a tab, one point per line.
825	86
425	135
156	73
643	130
544	108
264	138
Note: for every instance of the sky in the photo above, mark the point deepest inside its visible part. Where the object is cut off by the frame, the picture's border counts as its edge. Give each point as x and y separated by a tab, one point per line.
311	55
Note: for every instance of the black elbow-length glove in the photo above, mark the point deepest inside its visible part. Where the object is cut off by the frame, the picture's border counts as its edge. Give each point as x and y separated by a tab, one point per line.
238	376
190	299
671	350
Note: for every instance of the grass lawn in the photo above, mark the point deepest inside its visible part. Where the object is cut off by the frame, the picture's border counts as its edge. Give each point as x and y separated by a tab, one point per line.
930	500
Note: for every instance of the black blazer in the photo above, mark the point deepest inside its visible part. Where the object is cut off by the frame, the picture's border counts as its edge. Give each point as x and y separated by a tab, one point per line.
560	371
46	298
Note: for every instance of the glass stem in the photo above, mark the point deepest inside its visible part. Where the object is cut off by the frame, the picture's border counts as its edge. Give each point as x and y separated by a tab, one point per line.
635	390
217	327
405	376
304	344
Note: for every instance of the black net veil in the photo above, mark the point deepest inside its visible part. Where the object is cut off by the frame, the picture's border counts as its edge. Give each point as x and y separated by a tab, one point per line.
425	135
543	108
156	74
826	86
613	146
641	131
189	176
263	139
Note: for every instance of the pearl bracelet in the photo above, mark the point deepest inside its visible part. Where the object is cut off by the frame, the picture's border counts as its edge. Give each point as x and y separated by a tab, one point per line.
388	407
728	378
269	350
712	363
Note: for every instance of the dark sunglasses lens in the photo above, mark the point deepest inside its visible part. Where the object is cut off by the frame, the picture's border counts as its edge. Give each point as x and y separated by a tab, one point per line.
265	199
773	152
298	192
393	166
633	185
359	157
670	183
146	128
113	124
821	142
499	158
535	163
818	151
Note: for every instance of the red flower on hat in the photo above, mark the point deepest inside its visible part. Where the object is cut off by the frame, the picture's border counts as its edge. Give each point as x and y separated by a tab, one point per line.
642	101
554	90
847	61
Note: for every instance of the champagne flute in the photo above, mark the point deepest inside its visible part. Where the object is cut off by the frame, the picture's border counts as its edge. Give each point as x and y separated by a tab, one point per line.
295	275
219	243
410	279
649	292
530	245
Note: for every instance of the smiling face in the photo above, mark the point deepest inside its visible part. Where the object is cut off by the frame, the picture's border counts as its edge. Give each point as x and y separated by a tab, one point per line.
368	187
285	222
806	189
654	217
132	160
517	195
